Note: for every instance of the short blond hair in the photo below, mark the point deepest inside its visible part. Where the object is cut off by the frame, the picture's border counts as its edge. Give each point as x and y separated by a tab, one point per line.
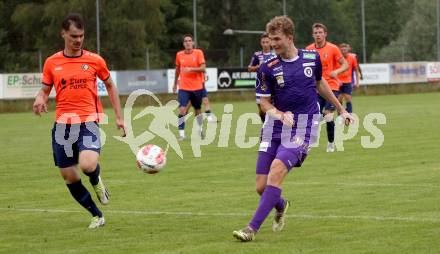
281	23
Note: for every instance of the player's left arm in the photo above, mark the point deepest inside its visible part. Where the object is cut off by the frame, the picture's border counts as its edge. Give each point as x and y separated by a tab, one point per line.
325	91
361	77
341	60
104	74
358	67
341	69
202	68
358	75
116	103
200	61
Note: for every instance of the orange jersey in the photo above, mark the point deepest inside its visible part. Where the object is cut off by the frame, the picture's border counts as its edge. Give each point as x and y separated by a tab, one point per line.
330	55
190	81
74	79
347	76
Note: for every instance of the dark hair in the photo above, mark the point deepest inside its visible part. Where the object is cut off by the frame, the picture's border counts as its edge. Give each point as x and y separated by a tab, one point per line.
187	35
264	35
72	19
319	25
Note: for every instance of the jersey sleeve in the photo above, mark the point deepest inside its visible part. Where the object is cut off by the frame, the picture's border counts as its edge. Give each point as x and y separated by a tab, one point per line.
318	70
254	60
200	58
177	59
263	87
337	55
47	74
102	71
355	62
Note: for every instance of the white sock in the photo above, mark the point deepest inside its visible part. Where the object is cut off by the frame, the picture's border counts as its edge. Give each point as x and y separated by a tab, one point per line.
182	133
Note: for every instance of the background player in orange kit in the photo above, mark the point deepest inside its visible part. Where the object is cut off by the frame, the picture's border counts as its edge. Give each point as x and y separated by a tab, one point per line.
190	79
330	56
346	77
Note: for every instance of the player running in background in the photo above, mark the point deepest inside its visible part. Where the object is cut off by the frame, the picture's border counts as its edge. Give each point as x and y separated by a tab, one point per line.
75	135
358	65
258	58
287	85
346	77
330	56
189	78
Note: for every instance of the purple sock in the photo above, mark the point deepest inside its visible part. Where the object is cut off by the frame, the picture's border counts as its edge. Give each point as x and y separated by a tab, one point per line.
269	199
280	205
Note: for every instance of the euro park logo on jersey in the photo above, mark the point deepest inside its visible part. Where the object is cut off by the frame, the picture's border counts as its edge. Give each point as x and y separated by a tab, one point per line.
311	56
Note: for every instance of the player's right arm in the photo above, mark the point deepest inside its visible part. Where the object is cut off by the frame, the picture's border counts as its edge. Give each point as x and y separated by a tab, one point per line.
254	64
40	104
263	90
253	68
177	73
176	78
267	107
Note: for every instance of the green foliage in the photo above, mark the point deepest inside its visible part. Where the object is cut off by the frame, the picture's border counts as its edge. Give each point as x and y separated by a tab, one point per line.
129	28
417	40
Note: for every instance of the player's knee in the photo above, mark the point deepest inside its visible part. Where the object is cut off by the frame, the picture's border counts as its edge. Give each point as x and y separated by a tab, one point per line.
329	117
70	175
88	165
277	173
260	189
275	179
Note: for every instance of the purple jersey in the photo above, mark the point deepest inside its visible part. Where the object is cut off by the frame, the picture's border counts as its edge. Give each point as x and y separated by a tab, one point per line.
260	57
292	86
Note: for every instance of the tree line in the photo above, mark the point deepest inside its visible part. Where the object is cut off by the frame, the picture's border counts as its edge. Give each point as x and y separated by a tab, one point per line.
132	31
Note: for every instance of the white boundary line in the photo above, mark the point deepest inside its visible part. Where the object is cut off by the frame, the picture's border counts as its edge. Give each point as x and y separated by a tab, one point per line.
352	184
193	214
361	184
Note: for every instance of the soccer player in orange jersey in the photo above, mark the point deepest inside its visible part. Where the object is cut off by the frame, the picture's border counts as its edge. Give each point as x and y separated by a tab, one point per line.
331	56
346	77
189	78
75	135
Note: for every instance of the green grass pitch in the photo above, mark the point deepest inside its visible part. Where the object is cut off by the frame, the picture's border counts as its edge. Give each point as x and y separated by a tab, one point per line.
383	200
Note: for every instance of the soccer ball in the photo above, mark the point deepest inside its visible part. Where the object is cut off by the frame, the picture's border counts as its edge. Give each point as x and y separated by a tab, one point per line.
151	159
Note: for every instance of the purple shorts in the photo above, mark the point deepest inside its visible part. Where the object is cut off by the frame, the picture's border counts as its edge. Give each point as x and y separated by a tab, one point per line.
290	156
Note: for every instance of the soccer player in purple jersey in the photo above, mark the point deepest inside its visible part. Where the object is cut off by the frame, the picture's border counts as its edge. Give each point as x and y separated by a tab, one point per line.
258	58
287	85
